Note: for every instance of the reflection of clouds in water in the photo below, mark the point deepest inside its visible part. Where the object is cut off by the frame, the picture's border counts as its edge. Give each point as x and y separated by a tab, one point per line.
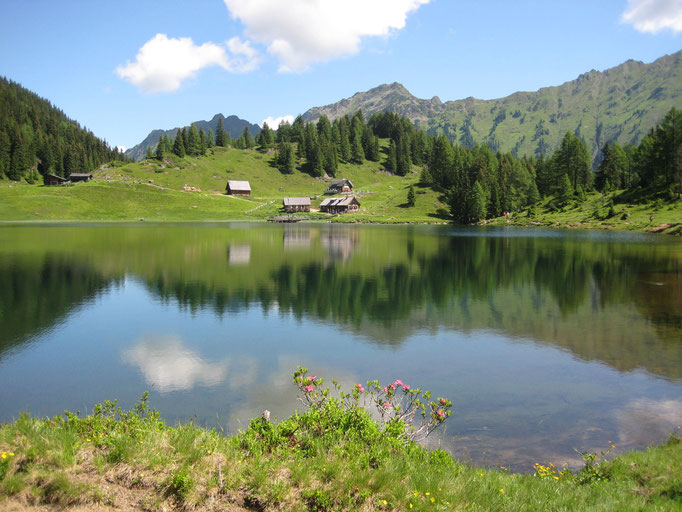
276	391
168	366
644	421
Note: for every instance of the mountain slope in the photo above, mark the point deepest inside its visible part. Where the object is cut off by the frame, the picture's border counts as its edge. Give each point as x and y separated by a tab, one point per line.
233	125
621	103
37	137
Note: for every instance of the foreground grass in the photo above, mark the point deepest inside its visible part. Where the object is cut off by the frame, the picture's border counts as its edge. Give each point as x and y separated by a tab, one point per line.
332	458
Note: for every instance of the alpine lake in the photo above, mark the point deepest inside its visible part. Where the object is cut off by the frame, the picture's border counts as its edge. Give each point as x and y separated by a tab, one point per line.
548	342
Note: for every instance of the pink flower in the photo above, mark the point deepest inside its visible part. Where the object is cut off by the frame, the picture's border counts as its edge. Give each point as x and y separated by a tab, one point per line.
398	382
443	401
360	388
392	386
387	405
310	379
308	389
384	390
440	413
406	388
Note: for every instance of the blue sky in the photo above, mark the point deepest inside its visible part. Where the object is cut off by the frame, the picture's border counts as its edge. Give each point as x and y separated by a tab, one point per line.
125	68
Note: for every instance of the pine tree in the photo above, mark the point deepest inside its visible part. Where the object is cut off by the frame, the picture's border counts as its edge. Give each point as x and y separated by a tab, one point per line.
220	134
179	145
410	197
149	155
210	138
391	164
248	138
286	162
476	203
160	150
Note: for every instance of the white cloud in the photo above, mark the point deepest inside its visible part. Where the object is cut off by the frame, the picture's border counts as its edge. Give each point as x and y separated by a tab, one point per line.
654	15
274	122
121	149
302	32
245	58
163	63
168	366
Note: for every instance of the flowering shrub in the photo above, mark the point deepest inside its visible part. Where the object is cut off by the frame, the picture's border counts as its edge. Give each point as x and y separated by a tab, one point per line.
404	412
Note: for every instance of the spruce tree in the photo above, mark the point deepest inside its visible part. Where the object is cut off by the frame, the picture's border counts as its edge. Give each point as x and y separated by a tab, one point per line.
179	145
160	150
391	164
220	134
410	197
476	203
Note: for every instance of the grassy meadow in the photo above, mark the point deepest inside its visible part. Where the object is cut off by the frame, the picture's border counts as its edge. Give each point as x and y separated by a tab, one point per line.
193	189
329	457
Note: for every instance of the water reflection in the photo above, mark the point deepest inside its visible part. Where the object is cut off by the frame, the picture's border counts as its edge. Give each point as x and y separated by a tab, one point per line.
167	365
230	311
642	419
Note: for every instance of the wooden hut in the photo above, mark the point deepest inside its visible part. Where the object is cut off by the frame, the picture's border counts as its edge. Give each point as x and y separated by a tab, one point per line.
296	204
76	176
342	186
53	179
238	188
340	204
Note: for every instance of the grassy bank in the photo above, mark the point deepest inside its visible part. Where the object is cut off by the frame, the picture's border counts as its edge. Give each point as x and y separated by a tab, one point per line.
192	189
615	211
331	457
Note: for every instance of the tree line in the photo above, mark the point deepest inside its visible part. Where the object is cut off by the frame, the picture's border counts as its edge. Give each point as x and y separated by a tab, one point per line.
36	138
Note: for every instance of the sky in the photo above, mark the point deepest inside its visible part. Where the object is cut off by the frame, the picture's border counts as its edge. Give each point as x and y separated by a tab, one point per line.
123	68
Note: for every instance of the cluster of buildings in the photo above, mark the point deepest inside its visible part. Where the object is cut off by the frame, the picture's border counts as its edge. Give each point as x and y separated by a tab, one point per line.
346	204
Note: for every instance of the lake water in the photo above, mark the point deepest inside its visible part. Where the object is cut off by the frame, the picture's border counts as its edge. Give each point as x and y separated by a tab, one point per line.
547	342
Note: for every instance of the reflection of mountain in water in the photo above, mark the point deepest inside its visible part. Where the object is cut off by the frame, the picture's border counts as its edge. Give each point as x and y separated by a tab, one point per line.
618	303
36	293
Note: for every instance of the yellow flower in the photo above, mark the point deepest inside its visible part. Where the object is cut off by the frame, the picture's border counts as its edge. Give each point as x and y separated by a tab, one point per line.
3	455
416	493
384	502
433	499
11	454
427	493
502	491
410	505
556	478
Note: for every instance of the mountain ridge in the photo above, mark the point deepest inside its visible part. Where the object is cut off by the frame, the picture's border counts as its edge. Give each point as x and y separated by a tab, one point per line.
618	104
233	125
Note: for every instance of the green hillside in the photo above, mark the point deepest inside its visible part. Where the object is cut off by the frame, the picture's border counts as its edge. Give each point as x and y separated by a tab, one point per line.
156	191
620	104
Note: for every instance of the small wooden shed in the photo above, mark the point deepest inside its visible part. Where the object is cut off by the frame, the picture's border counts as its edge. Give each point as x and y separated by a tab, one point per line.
53	179
342	186
76	176
296	204
340	204
238	188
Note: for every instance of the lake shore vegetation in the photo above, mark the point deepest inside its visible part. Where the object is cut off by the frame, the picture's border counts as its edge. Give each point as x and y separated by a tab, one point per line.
335	455
635	187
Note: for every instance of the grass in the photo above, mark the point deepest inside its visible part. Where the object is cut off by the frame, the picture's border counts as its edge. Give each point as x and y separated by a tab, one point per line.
330	457
614	211
192	189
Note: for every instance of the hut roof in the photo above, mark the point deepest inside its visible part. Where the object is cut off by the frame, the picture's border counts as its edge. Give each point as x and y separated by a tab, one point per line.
80	175
238	185
341	183
58	178
296	201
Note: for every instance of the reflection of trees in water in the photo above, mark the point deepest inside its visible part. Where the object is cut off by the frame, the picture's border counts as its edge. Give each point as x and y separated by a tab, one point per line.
36	293
547	289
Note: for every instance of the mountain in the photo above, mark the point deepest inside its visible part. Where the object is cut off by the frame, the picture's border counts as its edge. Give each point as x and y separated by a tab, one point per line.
233	125
621	103
37	137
